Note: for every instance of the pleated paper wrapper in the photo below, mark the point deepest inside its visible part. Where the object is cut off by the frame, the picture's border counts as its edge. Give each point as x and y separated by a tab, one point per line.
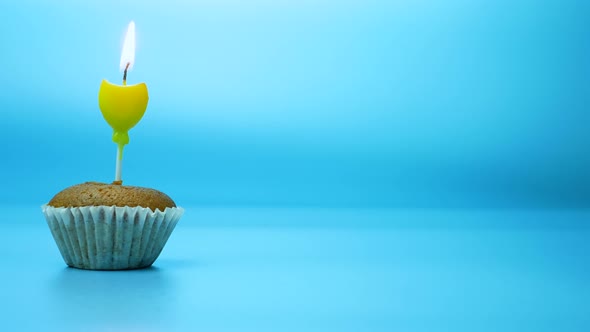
110	237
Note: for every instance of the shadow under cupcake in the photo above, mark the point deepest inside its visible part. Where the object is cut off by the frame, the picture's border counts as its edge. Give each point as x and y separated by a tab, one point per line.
99	226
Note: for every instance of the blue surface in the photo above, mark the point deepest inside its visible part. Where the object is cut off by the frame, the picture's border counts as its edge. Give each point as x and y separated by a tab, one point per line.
317	103
315	270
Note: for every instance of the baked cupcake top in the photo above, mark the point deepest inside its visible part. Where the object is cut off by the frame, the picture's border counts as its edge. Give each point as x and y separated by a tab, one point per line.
96	194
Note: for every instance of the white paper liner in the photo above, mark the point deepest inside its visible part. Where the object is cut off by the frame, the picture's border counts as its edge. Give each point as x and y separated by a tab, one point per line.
110	237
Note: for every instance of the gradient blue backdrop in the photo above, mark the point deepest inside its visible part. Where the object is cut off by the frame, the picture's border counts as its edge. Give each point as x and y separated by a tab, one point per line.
282	126
316	103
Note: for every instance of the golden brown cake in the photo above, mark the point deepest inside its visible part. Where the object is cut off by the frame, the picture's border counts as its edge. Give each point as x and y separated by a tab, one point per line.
99	226
103	194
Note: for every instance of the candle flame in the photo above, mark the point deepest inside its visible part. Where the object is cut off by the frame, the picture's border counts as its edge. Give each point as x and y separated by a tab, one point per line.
128	53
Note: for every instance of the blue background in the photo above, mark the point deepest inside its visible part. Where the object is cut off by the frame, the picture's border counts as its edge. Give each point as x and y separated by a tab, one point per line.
363	165
305	103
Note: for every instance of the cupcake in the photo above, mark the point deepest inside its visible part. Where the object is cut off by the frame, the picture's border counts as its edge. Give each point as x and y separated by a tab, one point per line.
99	226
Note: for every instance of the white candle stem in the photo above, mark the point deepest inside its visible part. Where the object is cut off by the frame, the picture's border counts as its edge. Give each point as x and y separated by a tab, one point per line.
119	166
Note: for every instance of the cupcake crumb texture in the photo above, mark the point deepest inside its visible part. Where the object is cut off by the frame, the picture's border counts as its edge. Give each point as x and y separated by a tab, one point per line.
97	193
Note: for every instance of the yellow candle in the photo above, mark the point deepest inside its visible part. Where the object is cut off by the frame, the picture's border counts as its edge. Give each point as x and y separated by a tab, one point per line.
123	106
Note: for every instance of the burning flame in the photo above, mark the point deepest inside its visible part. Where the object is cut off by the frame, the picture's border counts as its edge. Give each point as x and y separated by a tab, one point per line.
128	53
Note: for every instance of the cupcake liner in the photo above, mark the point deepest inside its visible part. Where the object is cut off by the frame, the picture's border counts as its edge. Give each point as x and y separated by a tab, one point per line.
110	237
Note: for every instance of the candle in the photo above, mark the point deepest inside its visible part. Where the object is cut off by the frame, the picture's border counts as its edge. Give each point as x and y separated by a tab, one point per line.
123	106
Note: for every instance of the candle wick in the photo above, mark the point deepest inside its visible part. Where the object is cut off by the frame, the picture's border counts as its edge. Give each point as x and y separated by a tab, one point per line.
125	74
